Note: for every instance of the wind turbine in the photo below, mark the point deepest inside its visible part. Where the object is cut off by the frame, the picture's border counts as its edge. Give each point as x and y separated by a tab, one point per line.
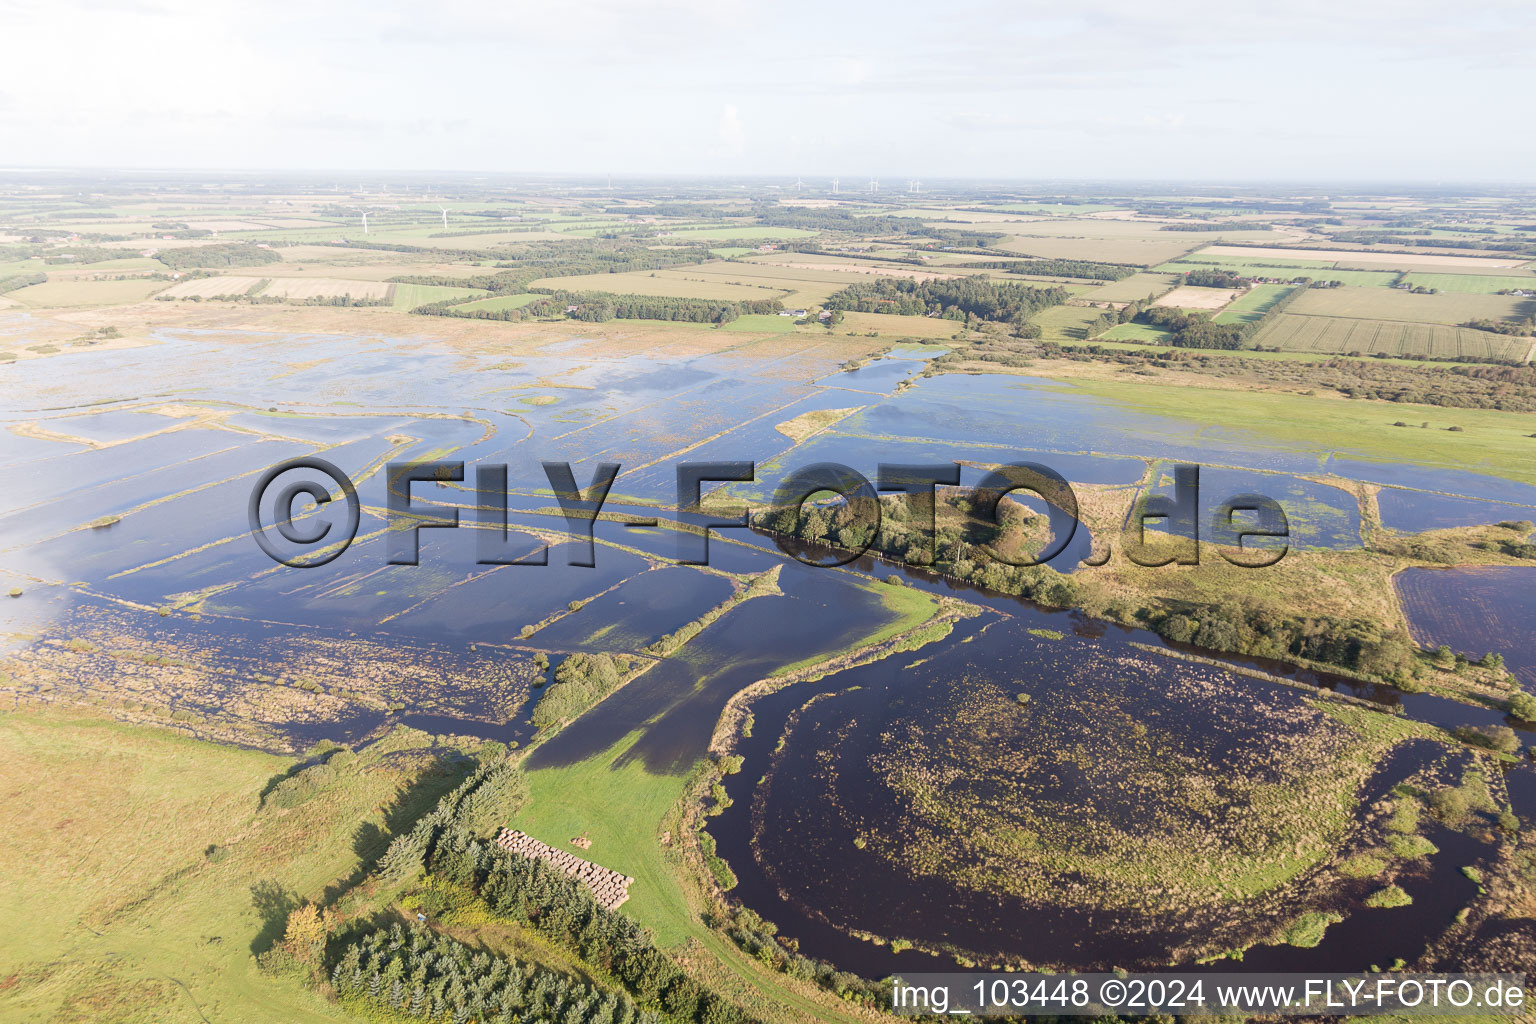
445	217
834	186
797	183
365	222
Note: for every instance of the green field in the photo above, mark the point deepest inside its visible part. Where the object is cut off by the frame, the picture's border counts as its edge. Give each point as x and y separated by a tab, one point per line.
770	323
1251	306
1137	286
1089	243
142	870
1470	282
1449	308
1297	333
1065	323
409	296
66	292
1490	441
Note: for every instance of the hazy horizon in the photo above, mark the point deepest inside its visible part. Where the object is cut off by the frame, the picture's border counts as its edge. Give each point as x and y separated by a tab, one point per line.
1181	91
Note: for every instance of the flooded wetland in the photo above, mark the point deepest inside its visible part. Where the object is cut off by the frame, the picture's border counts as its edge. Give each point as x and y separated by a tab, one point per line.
822	740
1028	789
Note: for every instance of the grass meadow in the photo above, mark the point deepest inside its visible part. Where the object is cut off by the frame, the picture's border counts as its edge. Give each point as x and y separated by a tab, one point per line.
768	323
142	870
1065	323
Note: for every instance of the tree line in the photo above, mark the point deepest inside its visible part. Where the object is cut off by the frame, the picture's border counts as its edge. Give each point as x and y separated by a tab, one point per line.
18	281
419	973
563	910
1214	277
1217	225
1083	269
581	680
1252	626
230	254
951	298
599	307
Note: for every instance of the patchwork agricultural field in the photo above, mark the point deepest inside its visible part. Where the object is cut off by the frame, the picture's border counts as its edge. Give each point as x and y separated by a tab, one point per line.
1286	271
1293	332
1475	283
1370	259
1398	304
1137	286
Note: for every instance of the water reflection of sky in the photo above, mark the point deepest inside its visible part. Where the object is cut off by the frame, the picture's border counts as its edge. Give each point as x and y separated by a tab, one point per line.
198	414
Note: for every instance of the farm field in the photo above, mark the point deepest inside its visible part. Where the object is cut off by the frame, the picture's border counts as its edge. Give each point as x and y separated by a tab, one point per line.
1129	289
1253	304
851	270
62	293
1065	323
1366	258
1089	246
770	323
1246	268
208	287
754	233
679	284
1294	332
1476	283
1396	304
409	296
325	288
1189	297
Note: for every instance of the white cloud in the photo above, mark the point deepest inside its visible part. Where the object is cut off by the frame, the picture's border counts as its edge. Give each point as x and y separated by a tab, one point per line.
733	137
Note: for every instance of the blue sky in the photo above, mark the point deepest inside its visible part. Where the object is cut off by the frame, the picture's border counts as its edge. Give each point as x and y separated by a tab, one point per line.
1301	90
